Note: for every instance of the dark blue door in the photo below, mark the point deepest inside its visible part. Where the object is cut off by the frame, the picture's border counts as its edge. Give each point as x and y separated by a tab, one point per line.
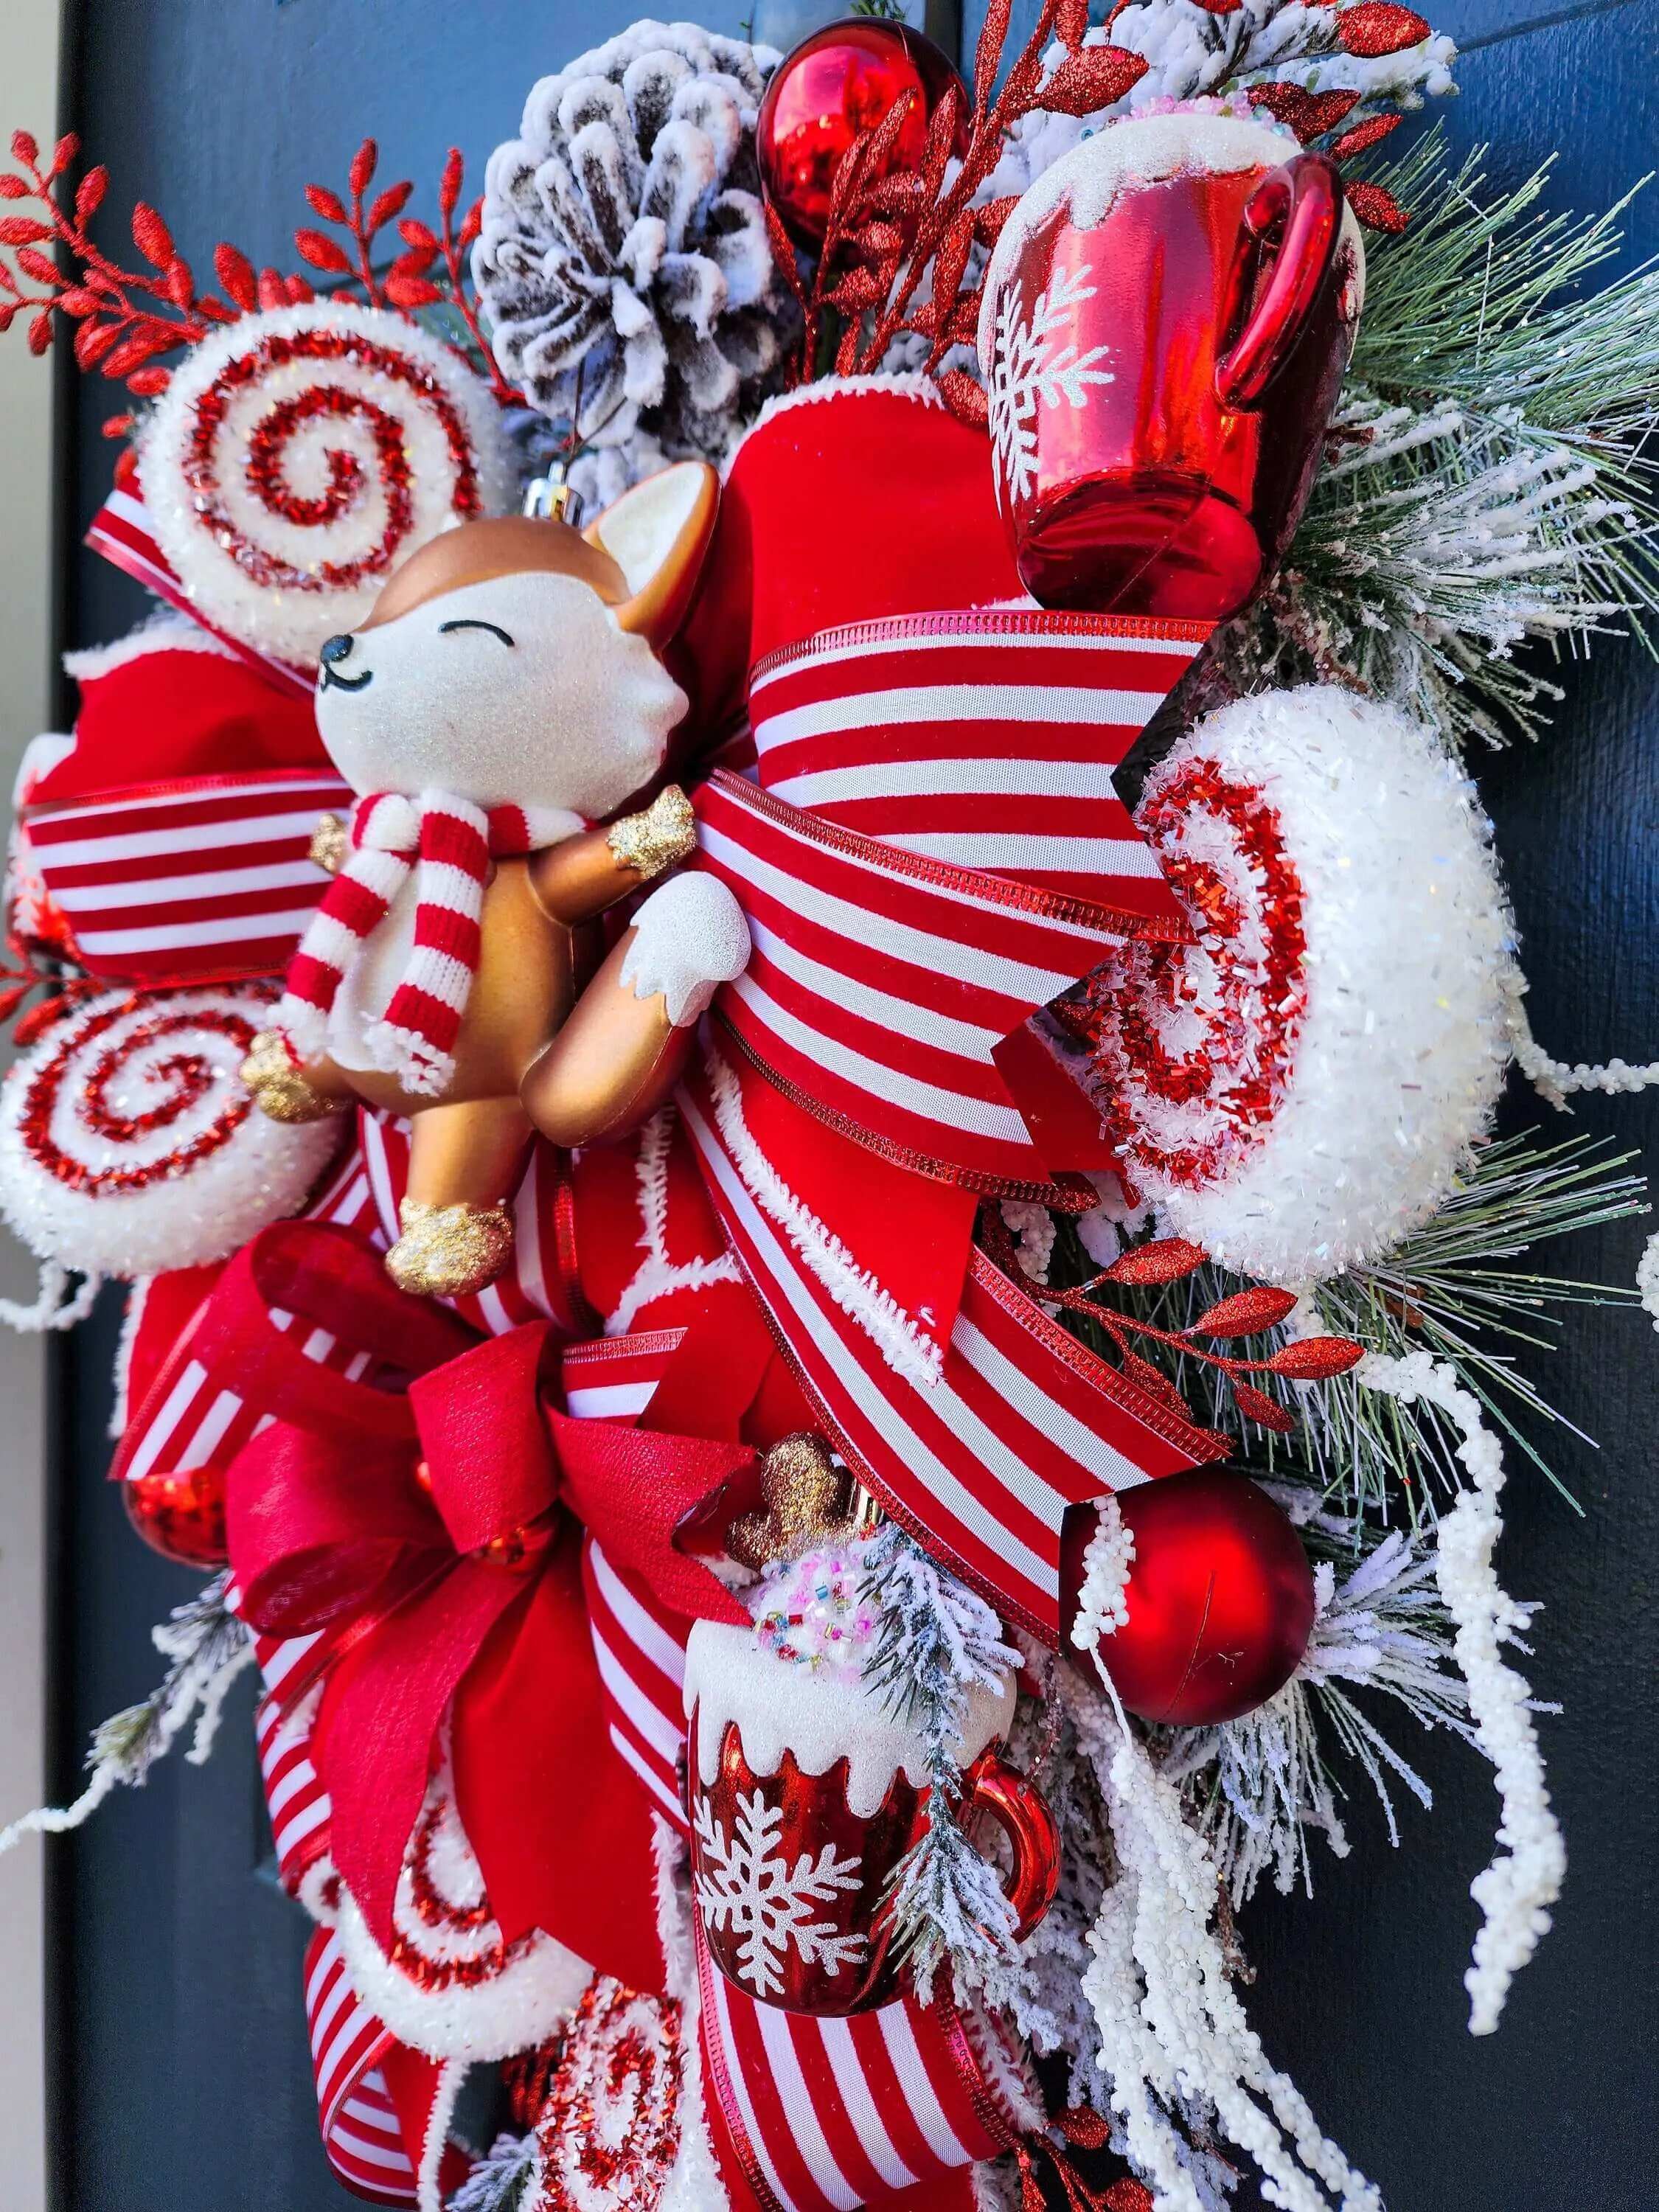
184	2082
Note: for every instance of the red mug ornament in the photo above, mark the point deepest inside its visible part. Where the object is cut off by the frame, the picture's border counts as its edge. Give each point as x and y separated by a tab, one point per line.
805	1796
1167	320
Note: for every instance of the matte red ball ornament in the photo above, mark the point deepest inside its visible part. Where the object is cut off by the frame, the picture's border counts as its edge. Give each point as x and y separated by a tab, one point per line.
839	83
181	1515
1220	1598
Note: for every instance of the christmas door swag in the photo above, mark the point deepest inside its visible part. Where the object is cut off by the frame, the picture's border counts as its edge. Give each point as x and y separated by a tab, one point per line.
832	1359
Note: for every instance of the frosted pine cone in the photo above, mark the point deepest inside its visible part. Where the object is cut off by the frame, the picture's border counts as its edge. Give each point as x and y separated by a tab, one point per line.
623	259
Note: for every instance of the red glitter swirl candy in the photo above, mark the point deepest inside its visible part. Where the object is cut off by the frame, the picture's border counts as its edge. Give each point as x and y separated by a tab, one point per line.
1298	1089
609	2130
451	1984
300	454
1196	1040
128	1144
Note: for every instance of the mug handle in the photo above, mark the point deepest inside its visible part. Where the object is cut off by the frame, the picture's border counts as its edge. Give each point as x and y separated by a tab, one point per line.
1300	206
1020	1811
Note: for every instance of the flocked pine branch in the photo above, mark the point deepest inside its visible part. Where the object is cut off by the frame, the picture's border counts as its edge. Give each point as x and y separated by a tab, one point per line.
1480	302
1461	1287
1453	1289
209	1647
1489	486
1261	1785
503	2180
936	1642
1434	550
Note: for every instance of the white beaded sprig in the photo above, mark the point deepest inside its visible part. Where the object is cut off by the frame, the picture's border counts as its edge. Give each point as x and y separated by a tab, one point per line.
1553	1079
1514	1893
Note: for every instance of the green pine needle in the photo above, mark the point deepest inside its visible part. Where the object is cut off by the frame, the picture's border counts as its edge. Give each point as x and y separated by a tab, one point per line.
1490	485
1453	1289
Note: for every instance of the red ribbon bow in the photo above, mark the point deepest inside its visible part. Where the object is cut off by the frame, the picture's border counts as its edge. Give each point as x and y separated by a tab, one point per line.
422	1521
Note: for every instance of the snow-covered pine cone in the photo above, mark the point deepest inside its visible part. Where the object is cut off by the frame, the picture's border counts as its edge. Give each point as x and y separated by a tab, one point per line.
624	243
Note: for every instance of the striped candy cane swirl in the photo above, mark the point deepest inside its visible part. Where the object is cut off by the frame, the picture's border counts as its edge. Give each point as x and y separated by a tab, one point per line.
128	1145
301	454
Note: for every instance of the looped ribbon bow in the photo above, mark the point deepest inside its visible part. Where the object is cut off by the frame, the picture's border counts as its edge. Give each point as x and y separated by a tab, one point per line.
421	1513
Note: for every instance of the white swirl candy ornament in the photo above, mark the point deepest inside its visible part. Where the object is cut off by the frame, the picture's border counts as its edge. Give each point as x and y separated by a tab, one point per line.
1298	1089
129	1147
298	455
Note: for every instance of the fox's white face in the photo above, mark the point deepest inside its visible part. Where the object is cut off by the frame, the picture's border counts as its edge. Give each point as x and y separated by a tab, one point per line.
520	690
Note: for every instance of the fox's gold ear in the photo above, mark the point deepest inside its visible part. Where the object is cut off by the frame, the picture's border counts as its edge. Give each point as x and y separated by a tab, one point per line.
657	535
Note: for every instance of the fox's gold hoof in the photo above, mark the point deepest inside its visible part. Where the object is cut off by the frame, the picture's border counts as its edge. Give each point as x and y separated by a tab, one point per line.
281	1090
446	1251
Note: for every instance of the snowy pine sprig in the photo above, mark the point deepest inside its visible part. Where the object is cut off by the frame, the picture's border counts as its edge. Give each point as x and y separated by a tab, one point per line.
1261	1785
502	2180
1489	483
938	1641
1434	550
209	1648
1465	1287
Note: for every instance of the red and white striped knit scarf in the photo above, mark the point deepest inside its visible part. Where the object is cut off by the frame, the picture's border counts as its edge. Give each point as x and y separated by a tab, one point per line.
454	843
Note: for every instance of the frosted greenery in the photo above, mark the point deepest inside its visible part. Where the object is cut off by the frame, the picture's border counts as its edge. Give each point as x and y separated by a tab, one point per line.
1488	504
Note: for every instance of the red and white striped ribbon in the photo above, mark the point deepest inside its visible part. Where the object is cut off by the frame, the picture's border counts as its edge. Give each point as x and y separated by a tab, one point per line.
1021	1422
202	1424
362	2133
639	1644
208	877
825	2115
936	851
641	1649
880	983
294	1795
614	1378
984	739
199	1422
121	532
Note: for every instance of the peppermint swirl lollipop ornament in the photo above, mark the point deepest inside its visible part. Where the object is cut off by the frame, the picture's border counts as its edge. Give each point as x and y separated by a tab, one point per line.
1298	1089
299	455
128	1144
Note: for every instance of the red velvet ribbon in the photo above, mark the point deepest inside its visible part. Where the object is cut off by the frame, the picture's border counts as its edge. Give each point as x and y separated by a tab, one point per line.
426	1523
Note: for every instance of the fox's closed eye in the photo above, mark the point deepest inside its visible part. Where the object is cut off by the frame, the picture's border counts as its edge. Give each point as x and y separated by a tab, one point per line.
495	629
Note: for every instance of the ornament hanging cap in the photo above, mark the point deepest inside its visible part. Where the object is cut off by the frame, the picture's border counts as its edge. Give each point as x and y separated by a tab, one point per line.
299	455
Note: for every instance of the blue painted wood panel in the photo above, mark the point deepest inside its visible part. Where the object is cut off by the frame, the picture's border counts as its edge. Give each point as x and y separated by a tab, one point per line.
1359	1993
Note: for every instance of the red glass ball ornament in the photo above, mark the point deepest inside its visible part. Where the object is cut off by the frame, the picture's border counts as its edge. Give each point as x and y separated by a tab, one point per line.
841	82
1220	1598
181	1515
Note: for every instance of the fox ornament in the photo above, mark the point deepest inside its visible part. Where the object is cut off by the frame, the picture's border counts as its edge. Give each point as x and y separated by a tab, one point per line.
506	693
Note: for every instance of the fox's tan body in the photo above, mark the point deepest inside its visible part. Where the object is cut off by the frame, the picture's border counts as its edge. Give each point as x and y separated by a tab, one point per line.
552	1038
541	946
